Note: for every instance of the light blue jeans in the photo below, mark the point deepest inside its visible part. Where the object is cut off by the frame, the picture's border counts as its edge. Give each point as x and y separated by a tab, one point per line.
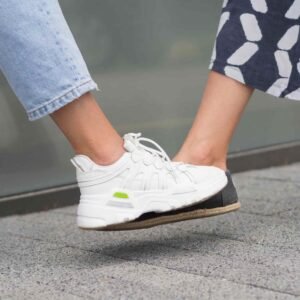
39	56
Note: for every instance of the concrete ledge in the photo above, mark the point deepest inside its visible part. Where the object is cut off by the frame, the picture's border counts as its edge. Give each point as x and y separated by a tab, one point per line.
271	156
265	157
39	200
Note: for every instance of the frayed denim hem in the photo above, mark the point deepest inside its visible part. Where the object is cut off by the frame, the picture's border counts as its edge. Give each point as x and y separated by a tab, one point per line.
58	102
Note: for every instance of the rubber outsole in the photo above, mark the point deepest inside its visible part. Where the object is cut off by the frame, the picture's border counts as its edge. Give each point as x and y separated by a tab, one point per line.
156	221
93	216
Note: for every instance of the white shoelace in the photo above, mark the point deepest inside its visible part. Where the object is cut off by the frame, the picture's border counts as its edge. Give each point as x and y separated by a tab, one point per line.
159	153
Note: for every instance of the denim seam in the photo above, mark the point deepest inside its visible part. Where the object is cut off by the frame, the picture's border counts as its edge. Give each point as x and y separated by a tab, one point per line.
58	102
58	97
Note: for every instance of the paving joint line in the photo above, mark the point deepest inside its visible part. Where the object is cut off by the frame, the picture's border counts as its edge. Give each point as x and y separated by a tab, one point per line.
213	277
244	241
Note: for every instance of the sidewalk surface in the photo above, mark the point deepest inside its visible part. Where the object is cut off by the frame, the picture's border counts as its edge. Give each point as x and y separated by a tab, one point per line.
250	254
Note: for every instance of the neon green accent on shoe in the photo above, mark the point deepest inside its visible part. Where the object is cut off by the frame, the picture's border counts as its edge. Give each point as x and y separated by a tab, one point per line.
120	195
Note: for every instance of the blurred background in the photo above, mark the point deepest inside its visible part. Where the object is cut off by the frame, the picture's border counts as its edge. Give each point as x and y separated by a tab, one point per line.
150	59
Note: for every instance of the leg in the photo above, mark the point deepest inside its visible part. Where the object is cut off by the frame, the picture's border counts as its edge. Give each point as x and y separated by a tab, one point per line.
118	180
88	130
223	102
225	99
42	63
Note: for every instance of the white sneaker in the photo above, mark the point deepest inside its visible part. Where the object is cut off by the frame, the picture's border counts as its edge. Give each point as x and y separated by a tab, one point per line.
142	180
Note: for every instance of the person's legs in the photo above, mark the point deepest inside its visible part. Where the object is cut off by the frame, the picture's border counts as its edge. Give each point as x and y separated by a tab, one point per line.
119	180
44	66
248	35
248	52
222	104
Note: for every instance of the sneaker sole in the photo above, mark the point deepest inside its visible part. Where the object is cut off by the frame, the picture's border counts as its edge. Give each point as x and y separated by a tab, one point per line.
93	215
195	214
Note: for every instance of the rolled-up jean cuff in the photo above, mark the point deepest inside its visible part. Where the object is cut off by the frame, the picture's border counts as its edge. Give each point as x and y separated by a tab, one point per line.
60	101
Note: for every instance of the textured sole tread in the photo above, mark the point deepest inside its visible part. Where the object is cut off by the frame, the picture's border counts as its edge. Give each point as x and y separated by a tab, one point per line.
196	214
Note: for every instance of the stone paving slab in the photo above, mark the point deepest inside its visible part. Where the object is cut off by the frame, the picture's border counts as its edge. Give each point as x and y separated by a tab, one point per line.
265	196
250	254
216	266
123	278
284	173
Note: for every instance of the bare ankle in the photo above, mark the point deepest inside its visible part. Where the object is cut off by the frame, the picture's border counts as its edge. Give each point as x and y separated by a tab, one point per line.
104	156
202	153
106	159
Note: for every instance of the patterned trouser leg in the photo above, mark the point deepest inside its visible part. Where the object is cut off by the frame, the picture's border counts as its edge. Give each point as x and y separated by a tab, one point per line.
258	44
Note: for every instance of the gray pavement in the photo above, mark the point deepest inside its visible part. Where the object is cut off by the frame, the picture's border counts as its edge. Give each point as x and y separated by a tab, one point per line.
251	254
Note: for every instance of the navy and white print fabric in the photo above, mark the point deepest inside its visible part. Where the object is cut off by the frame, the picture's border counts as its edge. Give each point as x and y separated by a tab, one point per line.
258	44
